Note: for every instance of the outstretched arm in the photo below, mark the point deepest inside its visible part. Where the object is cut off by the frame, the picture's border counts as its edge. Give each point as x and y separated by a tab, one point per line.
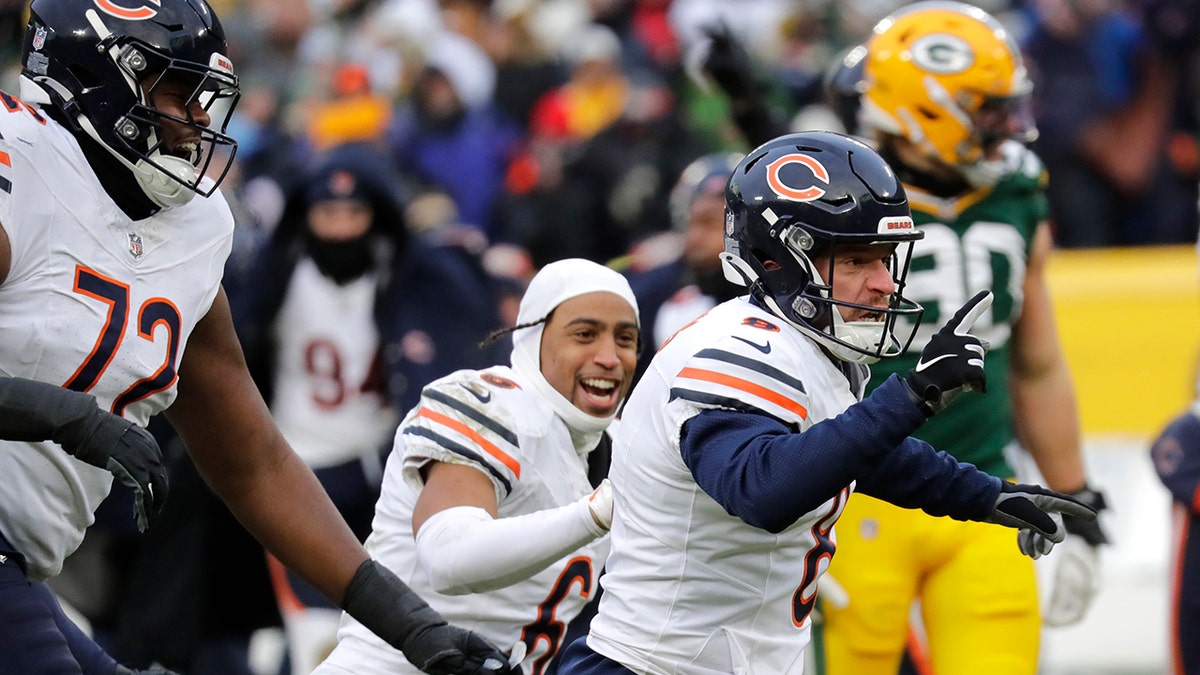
465	548
235	444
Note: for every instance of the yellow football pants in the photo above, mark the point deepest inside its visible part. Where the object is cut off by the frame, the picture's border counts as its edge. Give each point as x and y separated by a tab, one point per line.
978	594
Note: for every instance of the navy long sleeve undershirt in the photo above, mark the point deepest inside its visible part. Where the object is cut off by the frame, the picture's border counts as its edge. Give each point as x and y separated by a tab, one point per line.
770	476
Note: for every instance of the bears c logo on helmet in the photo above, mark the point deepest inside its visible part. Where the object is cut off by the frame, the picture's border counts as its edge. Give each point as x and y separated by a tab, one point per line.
799	194
140	13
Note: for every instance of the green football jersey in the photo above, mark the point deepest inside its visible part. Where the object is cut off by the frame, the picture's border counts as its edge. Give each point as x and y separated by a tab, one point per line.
978	240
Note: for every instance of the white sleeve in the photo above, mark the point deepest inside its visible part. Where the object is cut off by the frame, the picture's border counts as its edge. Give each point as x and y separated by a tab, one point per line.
464	550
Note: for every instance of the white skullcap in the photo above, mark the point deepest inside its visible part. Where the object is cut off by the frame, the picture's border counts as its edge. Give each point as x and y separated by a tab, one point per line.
565	279
553	285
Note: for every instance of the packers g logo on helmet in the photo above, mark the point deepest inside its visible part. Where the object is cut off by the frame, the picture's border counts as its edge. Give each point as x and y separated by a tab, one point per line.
943	54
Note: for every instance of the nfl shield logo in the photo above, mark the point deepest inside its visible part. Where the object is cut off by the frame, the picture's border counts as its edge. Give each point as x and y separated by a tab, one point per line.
135	245
39	37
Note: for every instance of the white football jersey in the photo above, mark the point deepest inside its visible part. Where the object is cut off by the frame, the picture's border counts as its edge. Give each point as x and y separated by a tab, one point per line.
326	341
690	588
94	302
492	421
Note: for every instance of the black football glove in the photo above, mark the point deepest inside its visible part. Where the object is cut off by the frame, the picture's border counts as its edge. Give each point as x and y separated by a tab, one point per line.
1035	512
952	362
728	63
1088	529
38	411
379	600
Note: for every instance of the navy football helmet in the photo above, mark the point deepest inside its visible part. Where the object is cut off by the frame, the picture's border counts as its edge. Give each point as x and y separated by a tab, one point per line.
844	86
98	62
705	174
792	200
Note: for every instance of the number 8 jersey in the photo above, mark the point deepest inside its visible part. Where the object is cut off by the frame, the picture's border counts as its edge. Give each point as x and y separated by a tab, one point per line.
690	588
94	302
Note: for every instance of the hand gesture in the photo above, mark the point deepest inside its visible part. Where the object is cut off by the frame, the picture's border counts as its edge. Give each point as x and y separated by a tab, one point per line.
952	362
719	57
1037	515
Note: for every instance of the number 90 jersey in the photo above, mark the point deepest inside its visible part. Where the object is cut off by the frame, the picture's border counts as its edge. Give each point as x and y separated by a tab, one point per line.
93	302
980	240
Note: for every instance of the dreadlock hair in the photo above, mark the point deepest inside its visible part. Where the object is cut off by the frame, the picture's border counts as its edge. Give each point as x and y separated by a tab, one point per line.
501	332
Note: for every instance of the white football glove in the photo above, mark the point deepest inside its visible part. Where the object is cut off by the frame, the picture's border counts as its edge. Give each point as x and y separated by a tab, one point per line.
1073	584
600	503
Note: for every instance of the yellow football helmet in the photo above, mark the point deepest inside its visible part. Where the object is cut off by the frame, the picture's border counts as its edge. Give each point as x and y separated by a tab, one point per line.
948	77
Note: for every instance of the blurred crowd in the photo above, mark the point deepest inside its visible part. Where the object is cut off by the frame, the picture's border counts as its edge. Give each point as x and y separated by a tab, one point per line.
559	126
501	135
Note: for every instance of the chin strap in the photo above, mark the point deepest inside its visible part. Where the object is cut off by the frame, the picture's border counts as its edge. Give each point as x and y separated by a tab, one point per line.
155	179
165	180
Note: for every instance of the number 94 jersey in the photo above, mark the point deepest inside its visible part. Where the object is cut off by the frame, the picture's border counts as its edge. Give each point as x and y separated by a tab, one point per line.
93	302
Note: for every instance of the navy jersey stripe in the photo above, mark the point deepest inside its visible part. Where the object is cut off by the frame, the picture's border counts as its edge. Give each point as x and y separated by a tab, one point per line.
494	426
460	449
5	184
752	364
704	398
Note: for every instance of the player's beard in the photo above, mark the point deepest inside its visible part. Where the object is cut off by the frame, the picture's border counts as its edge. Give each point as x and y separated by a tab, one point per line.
342	261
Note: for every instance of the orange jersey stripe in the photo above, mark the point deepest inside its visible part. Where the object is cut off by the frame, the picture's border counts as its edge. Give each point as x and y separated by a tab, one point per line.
4	159
285	596
470	433
746	386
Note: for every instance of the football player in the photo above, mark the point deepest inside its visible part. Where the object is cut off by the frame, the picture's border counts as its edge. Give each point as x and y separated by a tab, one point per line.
487	509
740	445
672	293
945	101
113	236
1176	455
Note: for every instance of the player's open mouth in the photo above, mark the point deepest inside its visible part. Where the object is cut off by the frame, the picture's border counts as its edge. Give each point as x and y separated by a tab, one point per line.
600	392
185	150
871	316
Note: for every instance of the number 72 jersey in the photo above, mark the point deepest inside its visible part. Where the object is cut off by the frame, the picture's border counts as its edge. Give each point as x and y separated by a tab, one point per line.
94	302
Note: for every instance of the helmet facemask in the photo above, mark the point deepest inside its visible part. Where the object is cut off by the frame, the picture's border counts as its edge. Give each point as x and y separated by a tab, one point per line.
168	93
807	300
137	88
